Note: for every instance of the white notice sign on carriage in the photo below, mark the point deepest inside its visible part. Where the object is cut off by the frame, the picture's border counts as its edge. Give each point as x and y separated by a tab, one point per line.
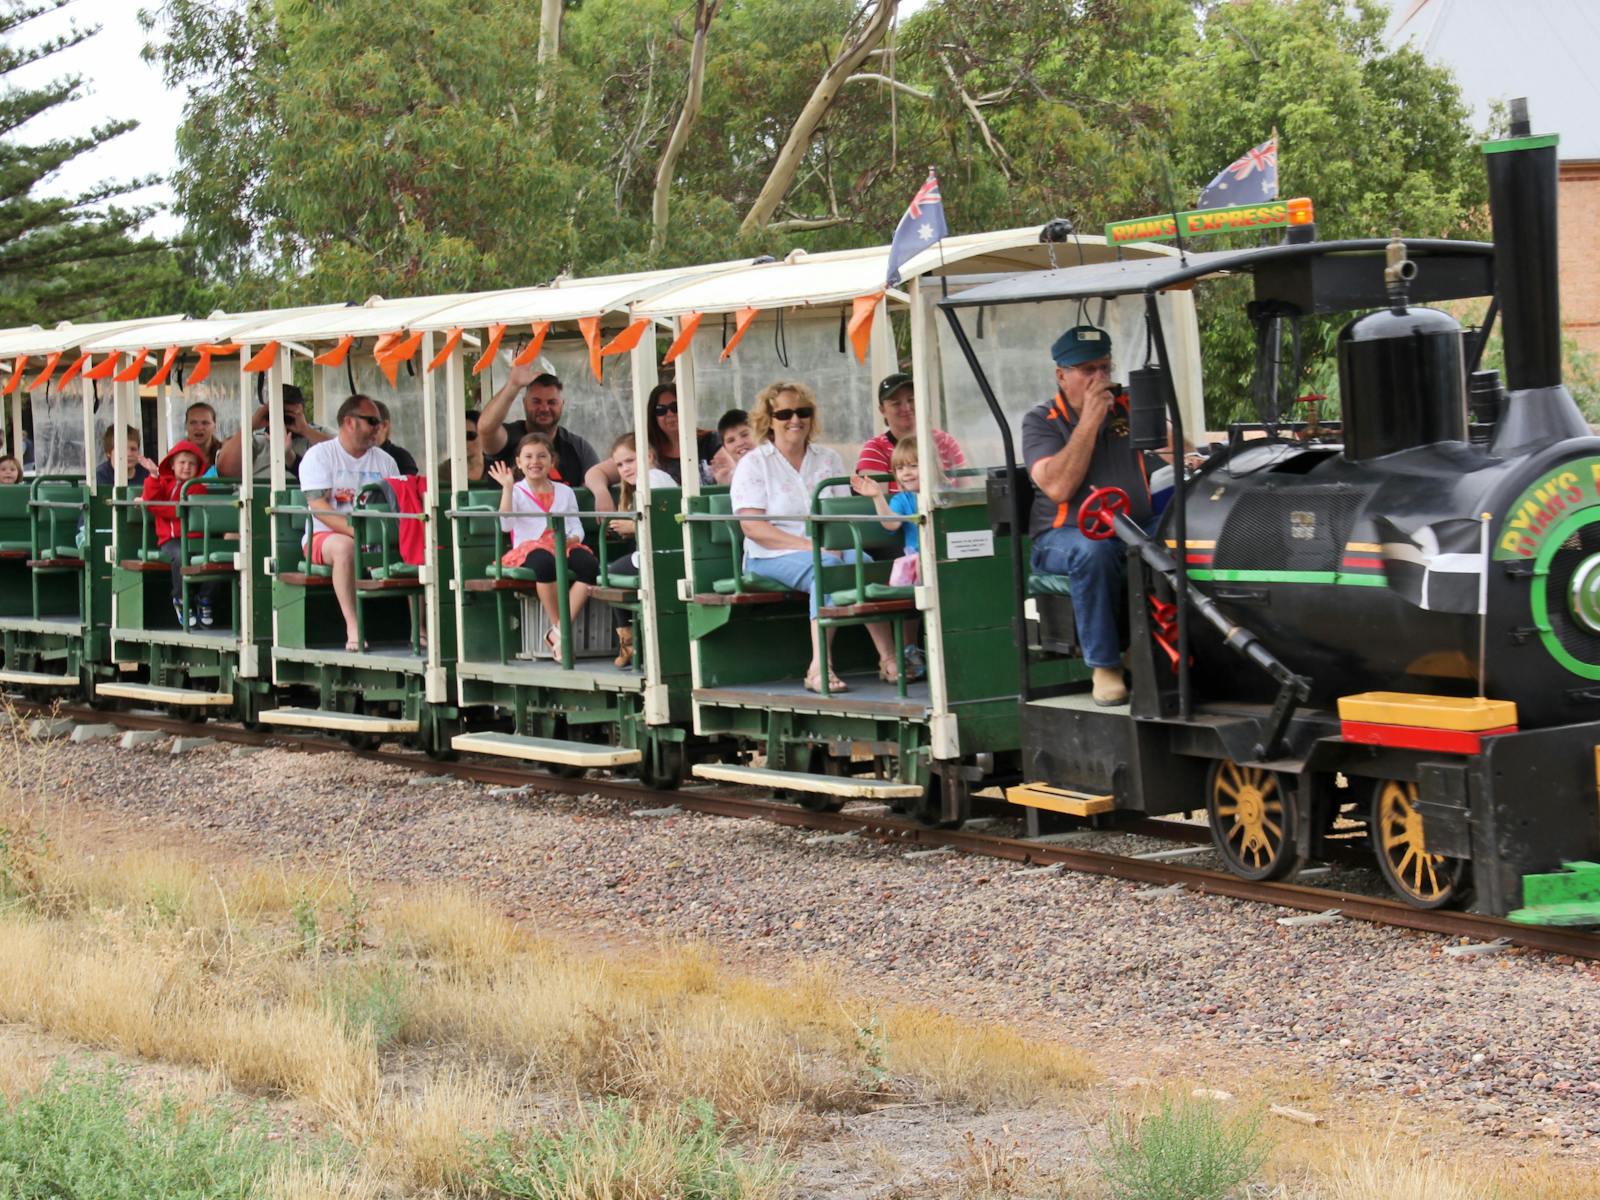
972	543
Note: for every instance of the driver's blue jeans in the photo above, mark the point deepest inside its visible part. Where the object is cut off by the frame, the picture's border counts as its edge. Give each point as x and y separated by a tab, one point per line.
1098	571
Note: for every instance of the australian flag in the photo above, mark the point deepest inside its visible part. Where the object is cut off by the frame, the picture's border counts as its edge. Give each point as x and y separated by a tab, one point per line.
1249	179
921	227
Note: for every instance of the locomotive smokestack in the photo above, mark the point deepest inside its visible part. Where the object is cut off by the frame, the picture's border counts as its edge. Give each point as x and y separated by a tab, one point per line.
1522	205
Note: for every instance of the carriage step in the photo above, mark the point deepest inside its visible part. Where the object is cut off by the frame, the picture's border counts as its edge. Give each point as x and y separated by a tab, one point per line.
545	750
853	786
1061	800
165	695
38	679
318	718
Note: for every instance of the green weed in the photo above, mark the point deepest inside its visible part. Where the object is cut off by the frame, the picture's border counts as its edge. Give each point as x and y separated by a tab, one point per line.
613	1151
1185	1150
353	911
872	1043
377	999
304	913
88	1134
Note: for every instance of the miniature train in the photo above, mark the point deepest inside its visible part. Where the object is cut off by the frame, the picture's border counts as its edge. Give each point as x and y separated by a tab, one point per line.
1386	627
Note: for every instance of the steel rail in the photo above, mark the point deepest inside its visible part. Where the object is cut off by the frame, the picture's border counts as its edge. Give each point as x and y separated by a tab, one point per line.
891	829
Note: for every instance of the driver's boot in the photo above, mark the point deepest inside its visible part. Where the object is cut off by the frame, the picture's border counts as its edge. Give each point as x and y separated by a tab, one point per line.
1109	687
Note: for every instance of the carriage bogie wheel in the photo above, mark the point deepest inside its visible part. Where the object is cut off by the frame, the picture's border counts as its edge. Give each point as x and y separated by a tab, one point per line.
1399	840
1252	813
672	769
361	742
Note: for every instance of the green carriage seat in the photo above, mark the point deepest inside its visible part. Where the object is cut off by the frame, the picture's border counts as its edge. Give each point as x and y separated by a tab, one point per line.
380	540
728	533
1040	584
57	528
214	515
297	525
15	536
882	544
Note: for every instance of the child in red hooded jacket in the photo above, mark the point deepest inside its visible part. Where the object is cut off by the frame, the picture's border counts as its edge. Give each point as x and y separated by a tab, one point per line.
183	462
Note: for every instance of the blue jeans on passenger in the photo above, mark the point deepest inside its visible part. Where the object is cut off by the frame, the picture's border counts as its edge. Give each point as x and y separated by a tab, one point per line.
1098	571
797	570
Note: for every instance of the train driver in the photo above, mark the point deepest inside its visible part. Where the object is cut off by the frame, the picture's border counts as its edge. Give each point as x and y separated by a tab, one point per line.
1076	441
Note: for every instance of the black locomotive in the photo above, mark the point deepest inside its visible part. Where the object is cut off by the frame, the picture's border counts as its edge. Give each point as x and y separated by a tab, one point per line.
1393	619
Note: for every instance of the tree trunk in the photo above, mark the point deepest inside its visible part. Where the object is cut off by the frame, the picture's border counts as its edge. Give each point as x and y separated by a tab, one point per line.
704	10
549	30
805	126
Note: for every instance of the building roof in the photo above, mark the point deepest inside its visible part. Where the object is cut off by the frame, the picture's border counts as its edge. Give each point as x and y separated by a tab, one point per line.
1542	49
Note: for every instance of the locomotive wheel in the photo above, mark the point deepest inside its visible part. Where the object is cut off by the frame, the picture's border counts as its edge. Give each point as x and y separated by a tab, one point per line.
1252	814
1421	879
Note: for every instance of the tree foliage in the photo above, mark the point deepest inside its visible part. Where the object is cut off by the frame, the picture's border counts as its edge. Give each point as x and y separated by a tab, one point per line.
63	256
333	150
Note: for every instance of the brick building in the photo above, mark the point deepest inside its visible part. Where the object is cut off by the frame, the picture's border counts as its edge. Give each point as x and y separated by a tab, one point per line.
1544	50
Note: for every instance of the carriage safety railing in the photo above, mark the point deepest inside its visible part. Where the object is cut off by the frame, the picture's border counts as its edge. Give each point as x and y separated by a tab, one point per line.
183	502
42	511
556	524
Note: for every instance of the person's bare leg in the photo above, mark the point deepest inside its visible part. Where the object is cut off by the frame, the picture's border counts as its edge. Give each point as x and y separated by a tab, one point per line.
883	638
339	552
577	597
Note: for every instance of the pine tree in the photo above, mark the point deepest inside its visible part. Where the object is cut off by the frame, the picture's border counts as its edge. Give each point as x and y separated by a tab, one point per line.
62	257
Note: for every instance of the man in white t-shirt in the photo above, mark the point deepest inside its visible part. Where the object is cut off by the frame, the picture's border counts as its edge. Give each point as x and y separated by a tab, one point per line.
332	474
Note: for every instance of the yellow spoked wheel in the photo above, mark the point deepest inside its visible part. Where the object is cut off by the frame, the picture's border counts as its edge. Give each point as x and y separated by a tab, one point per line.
1253	820
1420	878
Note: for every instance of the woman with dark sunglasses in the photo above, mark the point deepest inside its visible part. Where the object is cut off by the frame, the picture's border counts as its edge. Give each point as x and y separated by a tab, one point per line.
778	477
663	437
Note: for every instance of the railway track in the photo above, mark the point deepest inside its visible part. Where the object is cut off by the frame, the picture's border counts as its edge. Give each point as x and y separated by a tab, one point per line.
877	825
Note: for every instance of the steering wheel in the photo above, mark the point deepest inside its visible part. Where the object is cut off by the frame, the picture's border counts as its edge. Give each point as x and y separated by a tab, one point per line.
1097	515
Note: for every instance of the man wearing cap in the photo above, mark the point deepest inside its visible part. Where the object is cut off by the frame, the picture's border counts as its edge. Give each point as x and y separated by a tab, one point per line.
1075	442
897	403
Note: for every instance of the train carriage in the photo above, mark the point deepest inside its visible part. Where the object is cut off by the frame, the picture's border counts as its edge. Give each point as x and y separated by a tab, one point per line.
923	745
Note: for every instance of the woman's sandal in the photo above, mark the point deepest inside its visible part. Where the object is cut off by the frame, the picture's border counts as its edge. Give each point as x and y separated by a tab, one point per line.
889	673
552	639
813	683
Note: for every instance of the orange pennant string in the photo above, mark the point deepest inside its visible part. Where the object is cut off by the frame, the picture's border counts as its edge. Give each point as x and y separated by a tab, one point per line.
741	326
78	364
862	312
387	342
450	343
262	359
220	349
202	369
106	367
130	373
496	333
336	356
165	369
49	370
590	328
687	327
15	381
626	340
531	350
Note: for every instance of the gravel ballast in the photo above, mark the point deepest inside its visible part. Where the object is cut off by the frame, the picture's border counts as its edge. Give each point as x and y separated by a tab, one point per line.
1502	1043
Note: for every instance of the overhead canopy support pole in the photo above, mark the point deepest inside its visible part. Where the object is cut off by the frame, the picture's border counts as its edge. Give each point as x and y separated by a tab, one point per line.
1179	502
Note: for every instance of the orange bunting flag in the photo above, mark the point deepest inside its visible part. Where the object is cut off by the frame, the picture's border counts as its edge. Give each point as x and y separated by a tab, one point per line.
336	356
451	341
741	326
165	369
531	350
590	328
626	340
15	381
687	327
202	369
863	309
107	366
49	370
78	364
390	356
496	333
387	342
262	359
130	373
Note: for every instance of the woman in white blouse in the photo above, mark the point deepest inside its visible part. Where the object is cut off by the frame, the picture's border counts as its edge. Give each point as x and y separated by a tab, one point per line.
778	476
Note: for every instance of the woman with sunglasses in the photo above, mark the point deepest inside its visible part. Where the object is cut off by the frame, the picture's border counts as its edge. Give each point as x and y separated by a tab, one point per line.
778	477
663	438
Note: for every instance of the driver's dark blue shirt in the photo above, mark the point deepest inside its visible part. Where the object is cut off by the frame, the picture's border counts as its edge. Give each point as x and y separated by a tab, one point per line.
1115	463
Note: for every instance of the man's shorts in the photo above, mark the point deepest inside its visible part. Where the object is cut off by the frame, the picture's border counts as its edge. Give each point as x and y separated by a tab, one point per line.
318	541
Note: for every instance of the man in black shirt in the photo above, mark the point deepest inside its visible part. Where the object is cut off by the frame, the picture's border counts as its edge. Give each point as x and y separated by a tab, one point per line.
1075	442
542	405
402	457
